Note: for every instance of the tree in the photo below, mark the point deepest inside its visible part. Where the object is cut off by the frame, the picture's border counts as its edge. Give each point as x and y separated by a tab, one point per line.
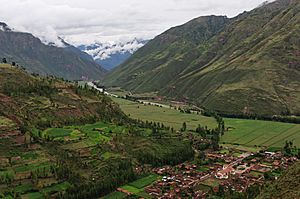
288	147
4	60
183	127
13	63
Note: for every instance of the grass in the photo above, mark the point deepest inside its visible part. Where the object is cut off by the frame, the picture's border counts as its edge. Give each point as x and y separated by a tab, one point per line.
261	133
32	167
34	195
24	188
30	155
203	169
143	182
57	132
167	116
108	155
8	197
57	188
115	195
144	195
242	147
248	135
87	135
131	189
6	123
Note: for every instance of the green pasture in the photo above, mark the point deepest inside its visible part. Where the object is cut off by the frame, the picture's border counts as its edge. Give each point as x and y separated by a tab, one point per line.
250	135
146	181
260	133
115	195
89	134
56	132
137	187
167	116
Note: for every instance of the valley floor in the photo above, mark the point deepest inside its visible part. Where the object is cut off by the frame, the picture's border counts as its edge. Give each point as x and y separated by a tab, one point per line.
249	133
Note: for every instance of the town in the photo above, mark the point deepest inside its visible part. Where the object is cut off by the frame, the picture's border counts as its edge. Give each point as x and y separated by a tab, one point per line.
224	171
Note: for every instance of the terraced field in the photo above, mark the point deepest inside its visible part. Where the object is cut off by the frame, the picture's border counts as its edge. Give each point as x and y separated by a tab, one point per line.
136	188
26	169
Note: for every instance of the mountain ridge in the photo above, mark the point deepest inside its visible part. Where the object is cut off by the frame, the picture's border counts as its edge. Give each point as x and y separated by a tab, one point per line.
29	51
238	70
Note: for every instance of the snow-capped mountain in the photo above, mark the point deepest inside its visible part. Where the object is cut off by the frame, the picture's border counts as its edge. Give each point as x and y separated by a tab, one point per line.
4	27
111	54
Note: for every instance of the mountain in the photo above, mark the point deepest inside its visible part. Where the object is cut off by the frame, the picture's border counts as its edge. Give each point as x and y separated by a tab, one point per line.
110	55
249	64
67	62
287	186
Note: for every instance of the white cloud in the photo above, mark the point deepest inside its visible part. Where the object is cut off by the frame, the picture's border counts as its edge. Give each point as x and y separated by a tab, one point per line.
84	22
105	50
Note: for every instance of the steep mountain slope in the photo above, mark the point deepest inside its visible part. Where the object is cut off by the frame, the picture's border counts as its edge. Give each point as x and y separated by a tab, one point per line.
165	57
42	102
251	66
28	51
287	186
111	55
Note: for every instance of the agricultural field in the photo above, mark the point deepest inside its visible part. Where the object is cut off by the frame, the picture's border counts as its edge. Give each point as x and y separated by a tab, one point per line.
30	170
167	116
135	188
260	133
250	135
26	170
85	136
143	182
116	195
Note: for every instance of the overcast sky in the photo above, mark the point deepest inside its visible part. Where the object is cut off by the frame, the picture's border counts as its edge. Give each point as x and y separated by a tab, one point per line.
86	21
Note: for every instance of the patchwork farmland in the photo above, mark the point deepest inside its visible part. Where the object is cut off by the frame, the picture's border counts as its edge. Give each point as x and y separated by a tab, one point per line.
250	133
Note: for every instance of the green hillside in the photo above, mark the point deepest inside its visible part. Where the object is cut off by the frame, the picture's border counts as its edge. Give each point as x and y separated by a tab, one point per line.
59	140
45	102
67	62
166	57
239	68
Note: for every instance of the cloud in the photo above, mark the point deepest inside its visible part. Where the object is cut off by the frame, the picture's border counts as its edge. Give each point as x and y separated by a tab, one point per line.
105	50
85	22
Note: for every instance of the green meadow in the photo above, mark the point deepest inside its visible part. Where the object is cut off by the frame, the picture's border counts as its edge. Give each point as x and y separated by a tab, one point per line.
261	133
167	116
247	133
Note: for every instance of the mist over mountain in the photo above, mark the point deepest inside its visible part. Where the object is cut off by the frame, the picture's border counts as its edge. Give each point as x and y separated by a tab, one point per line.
47	59
111	54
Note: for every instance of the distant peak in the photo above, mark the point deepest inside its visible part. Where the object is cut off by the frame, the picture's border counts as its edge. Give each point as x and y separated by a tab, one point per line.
105	50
